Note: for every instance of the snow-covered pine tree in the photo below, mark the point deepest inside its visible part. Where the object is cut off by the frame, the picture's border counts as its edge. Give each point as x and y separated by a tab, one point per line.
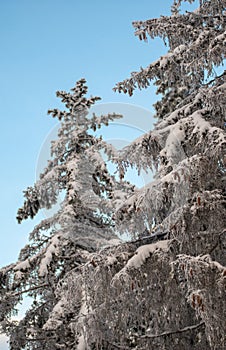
170	294
62	243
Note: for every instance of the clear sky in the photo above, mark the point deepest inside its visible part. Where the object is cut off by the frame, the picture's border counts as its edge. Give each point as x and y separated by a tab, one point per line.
46	45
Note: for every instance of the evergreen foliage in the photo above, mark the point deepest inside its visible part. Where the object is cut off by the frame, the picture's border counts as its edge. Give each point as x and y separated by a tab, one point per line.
165	288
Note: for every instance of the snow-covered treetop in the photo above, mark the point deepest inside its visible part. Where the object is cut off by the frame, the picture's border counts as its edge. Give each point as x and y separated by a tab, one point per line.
71	167
197	45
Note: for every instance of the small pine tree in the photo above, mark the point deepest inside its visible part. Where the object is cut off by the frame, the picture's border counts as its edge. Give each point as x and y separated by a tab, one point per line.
63	242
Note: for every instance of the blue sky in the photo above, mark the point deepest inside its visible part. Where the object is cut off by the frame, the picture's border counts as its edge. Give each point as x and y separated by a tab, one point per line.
46	45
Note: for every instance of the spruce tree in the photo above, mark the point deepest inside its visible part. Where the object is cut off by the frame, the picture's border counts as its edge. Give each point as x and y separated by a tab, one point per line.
61	243
166	288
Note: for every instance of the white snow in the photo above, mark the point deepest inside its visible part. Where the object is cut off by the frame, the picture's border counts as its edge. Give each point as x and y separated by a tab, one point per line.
59	307
220	38
179	49
201	125
163	61
3	342
51	175
143	252
56	315
111	260
83	312
81	343
50	250
141	255
23	265
18	275
114	241
174	139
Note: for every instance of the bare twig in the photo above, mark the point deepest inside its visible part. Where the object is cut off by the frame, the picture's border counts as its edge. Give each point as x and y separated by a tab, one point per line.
30	289
185	329
118	346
